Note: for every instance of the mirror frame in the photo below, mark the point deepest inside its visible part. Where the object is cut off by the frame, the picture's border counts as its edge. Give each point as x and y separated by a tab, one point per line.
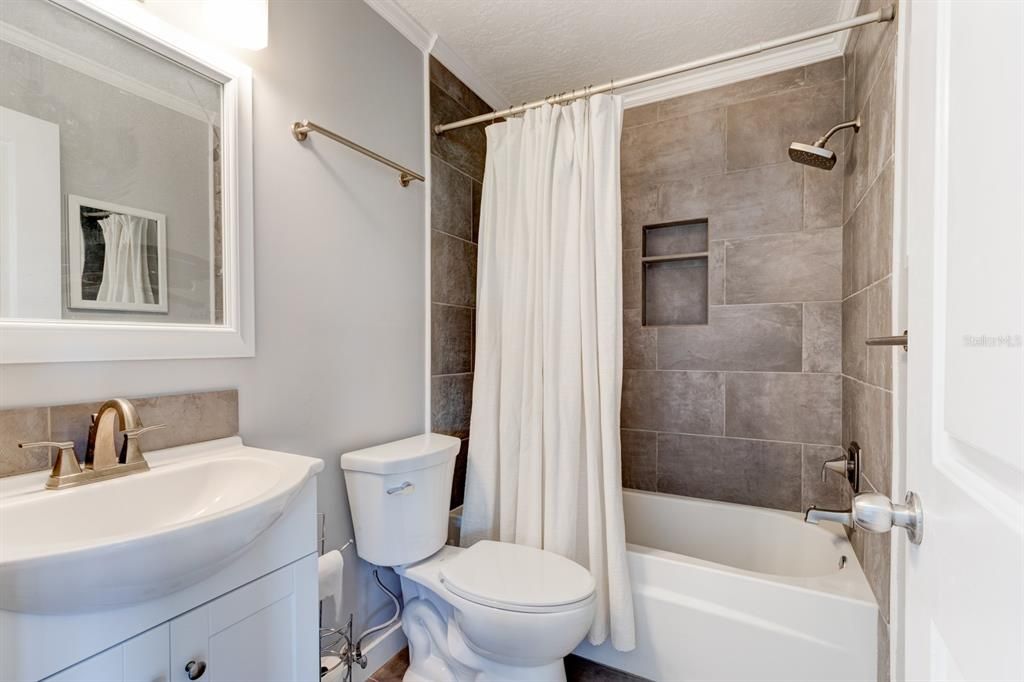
39	341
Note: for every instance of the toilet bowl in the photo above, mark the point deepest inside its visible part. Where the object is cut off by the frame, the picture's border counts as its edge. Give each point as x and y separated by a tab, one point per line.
493	611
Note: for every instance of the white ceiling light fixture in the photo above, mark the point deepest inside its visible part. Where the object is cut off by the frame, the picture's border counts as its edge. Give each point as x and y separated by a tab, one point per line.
237	23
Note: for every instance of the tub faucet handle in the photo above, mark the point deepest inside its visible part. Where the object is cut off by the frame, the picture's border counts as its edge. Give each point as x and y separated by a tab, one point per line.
838	465
847	465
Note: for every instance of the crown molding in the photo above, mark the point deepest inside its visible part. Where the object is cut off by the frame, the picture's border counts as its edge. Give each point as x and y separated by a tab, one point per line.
429	43
59	54
743	69
847	10
780	59
394	14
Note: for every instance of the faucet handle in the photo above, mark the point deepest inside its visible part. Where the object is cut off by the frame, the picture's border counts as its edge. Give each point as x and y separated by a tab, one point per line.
840	465
135	433
66	463
847	465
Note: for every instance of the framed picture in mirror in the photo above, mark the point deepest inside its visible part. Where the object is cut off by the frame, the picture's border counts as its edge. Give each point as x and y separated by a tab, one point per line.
117	257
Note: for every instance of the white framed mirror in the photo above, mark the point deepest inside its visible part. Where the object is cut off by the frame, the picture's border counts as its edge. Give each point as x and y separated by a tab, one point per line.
125	188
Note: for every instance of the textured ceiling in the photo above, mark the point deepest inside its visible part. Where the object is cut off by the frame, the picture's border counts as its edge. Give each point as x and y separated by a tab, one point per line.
528	49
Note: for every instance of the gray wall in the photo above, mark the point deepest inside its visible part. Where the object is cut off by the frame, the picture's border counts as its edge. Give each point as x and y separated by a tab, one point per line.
867	284
340	256
457	171
745	408
119	147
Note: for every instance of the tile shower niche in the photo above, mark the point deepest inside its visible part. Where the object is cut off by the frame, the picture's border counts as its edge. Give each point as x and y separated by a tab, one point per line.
675	273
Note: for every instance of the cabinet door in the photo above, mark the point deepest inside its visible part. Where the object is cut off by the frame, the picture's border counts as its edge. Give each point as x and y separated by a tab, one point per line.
144	658
265	631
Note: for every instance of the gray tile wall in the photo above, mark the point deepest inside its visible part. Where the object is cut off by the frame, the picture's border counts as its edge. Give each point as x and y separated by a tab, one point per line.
746	408
457	170
190	418
867	298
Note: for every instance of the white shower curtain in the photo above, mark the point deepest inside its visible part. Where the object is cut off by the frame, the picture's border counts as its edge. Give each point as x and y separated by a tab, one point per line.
544	457
125	260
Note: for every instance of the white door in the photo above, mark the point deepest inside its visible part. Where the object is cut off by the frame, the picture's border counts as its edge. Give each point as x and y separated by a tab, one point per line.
962	186
266	631
30	210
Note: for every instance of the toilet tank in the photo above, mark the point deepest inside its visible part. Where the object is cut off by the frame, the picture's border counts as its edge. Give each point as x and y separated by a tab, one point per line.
399	493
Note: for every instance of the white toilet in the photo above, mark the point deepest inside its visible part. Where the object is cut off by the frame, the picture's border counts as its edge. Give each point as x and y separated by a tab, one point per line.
494	611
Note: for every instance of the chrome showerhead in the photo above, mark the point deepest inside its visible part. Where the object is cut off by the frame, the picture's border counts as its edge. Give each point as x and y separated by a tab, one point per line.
816	155
812	155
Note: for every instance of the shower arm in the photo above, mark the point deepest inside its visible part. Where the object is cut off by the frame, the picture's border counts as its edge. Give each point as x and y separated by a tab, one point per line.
855	124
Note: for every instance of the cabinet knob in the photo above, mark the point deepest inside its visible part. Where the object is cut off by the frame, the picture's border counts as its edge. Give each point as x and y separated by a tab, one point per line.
195	669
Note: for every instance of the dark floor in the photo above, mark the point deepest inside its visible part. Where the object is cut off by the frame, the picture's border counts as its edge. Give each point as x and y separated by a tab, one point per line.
393	670
576	670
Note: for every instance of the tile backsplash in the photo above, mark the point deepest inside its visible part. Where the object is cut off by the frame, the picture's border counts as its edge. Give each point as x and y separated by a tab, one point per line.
190	418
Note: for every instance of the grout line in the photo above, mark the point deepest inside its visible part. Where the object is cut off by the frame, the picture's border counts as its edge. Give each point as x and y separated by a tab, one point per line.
881	56
725	270
725	399
866	287
738	371
867	190
657	447
768	303
454	168
454	305
863	383
454	236
743	438
452	374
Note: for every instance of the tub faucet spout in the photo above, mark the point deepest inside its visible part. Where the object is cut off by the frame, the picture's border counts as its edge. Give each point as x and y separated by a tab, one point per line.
814	515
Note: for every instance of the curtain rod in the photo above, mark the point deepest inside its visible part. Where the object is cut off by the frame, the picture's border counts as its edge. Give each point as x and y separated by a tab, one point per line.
881	15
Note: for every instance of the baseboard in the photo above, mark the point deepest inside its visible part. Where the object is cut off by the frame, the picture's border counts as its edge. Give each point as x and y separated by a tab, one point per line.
379	651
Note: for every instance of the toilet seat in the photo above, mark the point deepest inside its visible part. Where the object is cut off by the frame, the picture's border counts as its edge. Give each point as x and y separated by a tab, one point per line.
517	578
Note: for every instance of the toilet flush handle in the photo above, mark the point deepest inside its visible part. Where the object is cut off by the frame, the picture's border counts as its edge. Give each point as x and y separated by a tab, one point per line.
403	489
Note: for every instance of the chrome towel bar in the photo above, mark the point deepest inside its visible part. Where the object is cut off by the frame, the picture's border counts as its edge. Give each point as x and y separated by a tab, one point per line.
301	130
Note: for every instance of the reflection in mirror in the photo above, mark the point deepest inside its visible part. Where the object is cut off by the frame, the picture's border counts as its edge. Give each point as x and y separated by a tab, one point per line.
110	185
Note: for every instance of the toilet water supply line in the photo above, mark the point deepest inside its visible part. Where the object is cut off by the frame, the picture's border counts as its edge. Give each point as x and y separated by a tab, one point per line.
357	654
353	652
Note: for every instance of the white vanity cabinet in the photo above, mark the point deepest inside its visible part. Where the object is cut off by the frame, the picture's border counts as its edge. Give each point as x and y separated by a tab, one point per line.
213	559
145	658
261	632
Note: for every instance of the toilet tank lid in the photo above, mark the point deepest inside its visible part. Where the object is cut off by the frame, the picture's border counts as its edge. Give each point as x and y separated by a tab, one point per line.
400	456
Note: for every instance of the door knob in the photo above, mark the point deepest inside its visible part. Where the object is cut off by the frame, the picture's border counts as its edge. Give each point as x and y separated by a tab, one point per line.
876	513
195	669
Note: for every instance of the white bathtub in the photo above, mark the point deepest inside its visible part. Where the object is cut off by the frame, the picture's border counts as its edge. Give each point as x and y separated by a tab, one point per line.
730	592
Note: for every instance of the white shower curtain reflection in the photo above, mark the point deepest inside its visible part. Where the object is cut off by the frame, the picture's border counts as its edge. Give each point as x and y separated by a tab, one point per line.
125	260
544	462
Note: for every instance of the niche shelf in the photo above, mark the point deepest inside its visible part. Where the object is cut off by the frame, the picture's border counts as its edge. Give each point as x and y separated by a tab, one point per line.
674	264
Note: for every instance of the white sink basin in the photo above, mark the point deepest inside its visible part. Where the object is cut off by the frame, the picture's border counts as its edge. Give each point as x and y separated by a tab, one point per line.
136	538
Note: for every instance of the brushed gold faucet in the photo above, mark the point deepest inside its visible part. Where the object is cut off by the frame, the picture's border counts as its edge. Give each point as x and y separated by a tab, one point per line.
103	458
